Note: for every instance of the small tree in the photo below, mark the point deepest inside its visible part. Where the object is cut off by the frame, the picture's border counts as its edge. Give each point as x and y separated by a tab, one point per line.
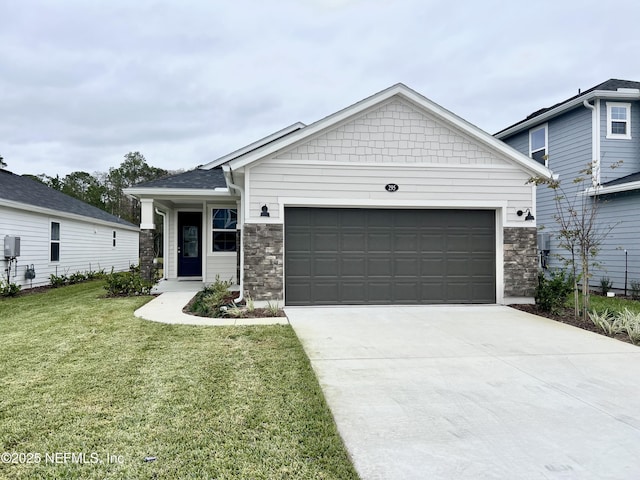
579	231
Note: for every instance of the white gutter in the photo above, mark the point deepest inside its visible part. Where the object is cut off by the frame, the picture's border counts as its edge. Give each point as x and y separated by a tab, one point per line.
164	241
595	141
228	175
614	95
623	187
182	192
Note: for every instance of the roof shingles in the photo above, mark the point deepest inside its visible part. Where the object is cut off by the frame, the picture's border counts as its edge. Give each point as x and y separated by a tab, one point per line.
30	192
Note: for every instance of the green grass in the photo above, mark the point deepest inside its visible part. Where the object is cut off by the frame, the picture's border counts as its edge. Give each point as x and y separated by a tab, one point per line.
79	373
613	304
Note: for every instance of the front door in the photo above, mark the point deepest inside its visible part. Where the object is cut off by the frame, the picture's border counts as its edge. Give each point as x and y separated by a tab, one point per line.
189	244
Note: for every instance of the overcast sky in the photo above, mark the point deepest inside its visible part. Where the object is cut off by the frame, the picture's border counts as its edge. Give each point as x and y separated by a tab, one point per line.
83	82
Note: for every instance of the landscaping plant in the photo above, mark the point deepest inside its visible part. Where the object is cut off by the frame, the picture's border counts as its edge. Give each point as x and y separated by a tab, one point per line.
553	290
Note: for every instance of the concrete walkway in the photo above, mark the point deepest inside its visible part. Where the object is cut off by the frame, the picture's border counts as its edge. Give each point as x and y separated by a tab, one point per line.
476	392
167	308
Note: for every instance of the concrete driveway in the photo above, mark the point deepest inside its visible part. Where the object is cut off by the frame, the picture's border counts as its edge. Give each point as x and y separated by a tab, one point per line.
475	392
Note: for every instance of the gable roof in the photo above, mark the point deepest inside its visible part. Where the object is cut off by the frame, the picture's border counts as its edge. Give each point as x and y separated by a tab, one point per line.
23	190
612	88
402	91
198	178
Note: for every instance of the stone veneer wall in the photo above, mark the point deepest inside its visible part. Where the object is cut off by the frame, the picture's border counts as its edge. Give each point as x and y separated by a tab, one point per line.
147	254
520	261
264	261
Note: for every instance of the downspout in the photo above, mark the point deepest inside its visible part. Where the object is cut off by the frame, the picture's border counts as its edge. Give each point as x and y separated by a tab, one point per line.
230	184
595	142
164	242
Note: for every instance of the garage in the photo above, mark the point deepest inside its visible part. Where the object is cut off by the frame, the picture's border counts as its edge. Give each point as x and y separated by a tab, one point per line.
358	256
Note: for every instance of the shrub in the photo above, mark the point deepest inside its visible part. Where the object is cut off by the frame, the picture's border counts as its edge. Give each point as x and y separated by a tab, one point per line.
214	300
8	289
272	309
58	280
127	284
635	289
605	285
610	324
631	324
553	290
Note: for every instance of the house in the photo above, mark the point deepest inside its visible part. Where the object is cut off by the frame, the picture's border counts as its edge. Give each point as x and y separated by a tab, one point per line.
58	234
599	127
393	200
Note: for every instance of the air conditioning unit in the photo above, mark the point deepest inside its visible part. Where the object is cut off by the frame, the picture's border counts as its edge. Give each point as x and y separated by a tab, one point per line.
11	246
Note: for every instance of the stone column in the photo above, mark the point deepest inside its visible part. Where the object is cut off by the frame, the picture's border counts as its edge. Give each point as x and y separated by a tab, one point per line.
264	261
147	254
520	261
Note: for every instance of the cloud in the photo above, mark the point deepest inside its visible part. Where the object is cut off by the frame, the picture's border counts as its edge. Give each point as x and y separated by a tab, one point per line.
82	83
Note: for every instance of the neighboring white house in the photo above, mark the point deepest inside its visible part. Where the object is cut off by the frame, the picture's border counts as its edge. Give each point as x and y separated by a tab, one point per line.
58	234
393	200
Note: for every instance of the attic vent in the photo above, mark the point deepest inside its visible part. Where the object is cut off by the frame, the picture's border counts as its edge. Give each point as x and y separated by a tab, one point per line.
629	90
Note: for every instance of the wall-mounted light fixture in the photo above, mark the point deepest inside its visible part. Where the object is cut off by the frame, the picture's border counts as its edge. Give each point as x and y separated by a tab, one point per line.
528	218
265	211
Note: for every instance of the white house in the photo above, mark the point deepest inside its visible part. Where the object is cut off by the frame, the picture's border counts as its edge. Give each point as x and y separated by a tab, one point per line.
58	234
393	200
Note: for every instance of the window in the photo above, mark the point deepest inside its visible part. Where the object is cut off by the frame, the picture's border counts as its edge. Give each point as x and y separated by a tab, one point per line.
55	242
538	139
618	120
224	221
114	238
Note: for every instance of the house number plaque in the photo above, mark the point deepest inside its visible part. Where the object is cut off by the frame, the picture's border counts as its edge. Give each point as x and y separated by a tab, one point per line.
391	187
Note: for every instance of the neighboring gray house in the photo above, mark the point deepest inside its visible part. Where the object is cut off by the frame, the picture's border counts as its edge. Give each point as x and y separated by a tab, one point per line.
58	234
393	200
600	125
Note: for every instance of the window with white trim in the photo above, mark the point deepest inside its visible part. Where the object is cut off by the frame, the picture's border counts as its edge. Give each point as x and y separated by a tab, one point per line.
55	242
618	120
114	238
538	144
224	222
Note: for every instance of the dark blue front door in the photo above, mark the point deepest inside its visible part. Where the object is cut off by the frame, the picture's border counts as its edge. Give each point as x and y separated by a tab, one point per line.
189	244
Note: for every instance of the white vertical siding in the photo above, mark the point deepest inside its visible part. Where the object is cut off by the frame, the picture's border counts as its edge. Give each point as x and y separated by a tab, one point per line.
84	245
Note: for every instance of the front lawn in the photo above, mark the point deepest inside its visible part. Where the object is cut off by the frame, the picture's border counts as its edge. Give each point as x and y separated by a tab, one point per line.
89	391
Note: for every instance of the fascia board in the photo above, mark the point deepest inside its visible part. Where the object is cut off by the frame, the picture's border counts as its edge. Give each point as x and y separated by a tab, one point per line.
177	192
253	146
57	213
623	187
608	94
405	92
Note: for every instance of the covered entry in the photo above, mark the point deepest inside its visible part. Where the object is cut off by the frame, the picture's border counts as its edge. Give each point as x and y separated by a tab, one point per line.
389	256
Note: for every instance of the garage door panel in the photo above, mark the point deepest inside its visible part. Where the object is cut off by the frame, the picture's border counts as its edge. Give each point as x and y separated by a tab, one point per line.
325	241
353	292
379	267
406	242
298	241
352	241
406	267
354	266
432	242
380	292
380	241
326	267
386	256
299	266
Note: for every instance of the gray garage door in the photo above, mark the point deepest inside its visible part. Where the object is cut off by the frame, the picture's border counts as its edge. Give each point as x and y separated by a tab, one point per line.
389	256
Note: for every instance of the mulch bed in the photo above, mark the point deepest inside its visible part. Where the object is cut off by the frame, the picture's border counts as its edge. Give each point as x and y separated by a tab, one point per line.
565	315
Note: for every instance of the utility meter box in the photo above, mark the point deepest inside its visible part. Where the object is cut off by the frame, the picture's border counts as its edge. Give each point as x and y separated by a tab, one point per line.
544	242
11	246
